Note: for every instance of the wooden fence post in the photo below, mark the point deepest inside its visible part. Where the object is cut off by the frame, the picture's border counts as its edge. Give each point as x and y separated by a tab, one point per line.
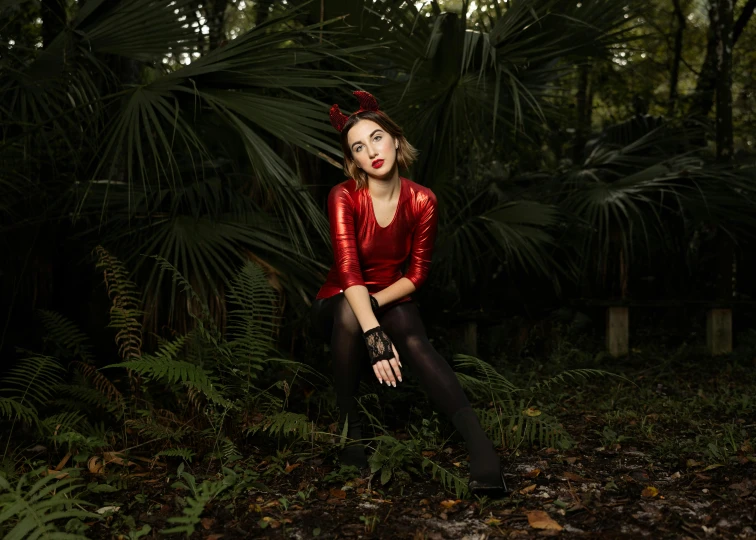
471	337
617	331
719	331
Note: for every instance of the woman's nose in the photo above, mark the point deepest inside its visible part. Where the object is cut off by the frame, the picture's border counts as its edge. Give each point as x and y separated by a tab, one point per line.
371	152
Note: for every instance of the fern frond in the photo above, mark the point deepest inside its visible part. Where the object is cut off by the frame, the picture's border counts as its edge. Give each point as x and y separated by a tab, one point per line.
513	428
40	510
101	383
58	423
205	322
12	409
164	366
125	314
187	454
33	381
203	494
486	377
573	375
254	322
70	341
448	479
158	432
284	423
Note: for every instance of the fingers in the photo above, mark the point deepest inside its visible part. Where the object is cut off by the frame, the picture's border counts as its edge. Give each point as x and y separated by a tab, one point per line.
388	371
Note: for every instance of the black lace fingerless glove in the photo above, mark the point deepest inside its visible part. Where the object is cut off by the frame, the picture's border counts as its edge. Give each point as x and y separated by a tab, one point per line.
378	344
374	303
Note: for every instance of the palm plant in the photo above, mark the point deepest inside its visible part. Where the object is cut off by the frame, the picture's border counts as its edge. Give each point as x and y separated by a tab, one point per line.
190	162
464	94
644	190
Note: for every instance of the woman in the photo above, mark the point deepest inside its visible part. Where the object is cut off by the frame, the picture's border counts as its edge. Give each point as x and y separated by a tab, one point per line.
379	221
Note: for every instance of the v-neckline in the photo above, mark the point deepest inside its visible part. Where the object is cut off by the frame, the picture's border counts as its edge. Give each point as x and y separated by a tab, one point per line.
396	210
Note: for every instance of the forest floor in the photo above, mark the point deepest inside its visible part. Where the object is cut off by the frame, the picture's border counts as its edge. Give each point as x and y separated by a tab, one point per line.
665	452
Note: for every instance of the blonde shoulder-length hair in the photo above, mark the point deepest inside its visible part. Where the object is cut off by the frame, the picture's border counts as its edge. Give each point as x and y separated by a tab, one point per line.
405	155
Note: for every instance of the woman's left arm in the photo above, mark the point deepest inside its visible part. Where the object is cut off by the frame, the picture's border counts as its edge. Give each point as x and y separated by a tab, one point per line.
420	258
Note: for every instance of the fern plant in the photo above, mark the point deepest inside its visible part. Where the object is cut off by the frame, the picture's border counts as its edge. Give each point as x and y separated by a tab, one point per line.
201	495
511	421
27	387
125	314
38	506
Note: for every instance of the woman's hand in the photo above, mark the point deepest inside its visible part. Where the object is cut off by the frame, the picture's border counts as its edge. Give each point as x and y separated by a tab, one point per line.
388	370
383	355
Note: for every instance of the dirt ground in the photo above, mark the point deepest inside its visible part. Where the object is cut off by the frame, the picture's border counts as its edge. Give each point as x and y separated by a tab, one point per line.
667	455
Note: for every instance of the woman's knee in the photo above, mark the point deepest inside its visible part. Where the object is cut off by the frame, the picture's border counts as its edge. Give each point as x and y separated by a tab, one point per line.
344	318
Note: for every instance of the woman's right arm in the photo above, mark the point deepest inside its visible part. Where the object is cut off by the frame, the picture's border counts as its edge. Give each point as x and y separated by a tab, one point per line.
346	259
344	242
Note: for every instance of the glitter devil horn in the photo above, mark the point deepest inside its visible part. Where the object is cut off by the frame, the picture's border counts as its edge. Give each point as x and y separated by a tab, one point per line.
338	119
367	101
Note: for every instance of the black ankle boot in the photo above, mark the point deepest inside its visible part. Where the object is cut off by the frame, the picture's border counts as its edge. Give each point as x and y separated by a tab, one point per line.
486	477
353	453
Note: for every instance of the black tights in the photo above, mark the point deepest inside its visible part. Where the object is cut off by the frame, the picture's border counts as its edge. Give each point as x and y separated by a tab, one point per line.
337	324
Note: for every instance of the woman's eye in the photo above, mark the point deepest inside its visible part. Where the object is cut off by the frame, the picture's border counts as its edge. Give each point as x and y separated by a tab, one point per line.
377	138
358	148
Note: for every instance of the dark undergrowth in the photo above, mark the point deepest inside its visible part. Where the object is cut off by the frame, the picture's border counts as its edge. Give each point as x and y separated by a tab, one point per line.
210	434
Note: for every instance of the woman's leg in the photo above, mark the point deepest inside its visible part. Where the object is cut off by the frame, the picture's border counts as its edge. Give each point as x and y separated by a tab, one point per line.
404	327
338	325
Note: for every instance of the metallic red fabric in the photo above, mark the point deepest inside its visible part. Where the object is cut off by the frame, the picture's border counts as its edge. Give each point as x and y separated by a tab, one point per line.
366	253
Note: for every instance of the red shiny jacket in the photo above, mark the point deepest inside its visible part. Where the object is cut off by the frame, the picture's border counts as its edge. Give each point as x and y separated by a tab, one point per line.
364	253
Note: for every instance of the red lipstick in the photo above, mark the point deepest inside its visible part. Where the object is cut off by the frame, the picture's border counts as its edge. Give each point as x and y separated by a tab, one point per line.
378	163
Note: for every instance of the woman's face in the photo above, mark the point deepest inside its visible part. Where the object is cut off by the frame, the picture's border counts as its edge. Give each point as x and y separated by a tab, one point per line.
373	149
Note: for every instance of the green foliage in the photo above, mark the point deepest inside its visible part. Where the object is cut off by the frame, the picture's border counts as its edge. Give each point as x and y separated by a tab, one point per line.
286	423
125	314
200	496
66	336
29	386
164	366
37	506
512	422
187	454
393	455
511	426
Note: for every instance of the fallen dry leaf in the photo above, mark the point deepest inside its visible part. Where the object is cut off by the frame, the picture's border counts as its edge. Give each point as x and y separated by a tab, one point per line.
450	503
572	477
649	492
337	493
571	460
538	519
95	465
113	457
56	474
290	468
493	521
532	474
531	411
63	461
527	489
207	523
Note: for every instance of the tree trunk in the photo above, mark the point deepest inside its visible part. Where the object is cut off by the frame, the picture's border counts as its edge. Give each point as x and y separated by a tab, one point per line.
703	96
723	30
262	11
582	117
675	75
53	19
216	20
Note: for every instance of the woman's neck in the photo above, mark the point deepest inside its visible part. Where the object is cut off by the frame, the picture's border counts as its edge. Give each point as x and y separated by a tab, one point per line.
385	188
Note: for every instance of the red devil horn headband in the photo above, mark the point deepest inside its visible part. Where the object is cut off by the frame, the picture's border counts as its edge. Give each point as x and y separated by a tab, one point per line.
367	103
